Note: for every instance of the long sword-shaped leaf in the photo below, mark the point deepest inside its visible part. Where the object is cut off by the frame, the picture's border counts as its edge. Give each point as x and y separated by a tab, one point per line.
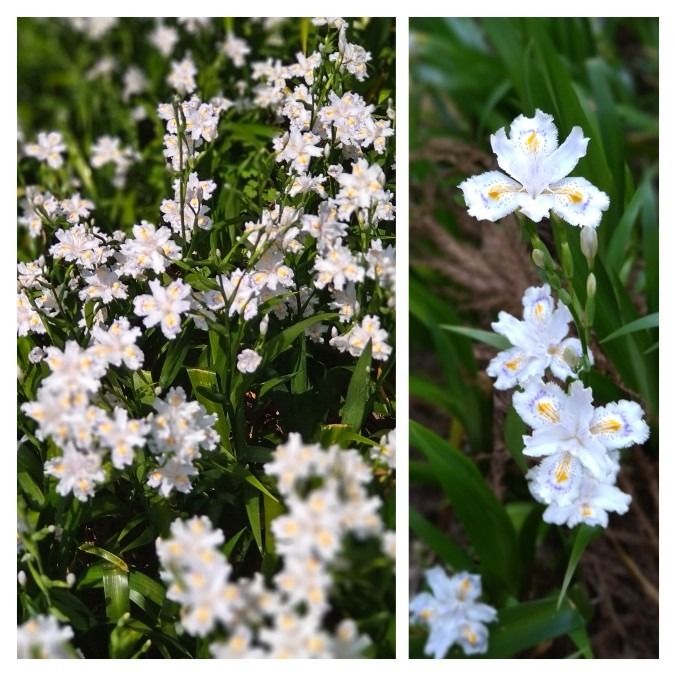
485	520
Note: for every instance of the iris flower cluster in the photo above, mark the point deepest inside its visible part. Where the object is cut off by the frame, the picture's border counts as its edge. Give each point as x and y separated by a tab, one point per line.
325	492
578	442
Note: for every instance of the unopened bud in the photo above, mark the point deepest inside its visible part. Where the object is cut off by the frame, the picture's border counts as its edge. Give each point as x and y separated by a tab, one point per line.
554	280
571	357
591	285
264	323
588	240
538	258
70	579
21	576
565	297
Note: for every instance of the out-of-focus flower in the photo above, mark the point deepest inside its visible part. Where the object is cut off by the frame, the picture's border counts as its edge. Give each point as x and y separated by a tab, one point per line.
452	614
49	149
42	637
248	361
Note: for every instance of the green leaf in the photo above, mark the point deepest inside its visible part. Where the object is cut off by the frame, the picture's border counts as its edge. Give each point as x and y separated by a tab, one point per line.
272	508
643	323
485	336
175	357
582	642
340	434
650	247
304	34
422	472
207	390
358	392
252	498
116	590
148	536
583	536
451	554
131	525
653	348
92	578
31	490
75	611
485	520
248	131
616	251
229	545
245	474
274	383
514	429
146	587
106	555
285	339
530	624
471	406
431	392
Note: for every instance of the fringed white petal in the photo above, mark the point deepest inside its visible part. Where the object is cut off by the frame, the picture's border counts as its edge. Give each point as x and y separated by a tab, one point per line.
535	136
540	405
579	406
557	479
595	500
619	425
578	202
513	329
508	367
538	304
491	195
567	156
509	157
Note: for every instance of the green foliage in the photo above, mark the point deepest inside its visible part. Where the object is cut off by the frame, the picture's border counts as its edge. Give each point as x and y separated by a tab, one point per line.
118	604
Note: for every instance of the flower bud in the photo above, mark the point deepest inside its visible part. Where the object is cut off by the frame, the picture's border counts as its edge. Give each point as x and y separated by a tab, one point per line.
538	258
571	358
554	280
264	323
565	297
22	578
70	579
591	285
588	240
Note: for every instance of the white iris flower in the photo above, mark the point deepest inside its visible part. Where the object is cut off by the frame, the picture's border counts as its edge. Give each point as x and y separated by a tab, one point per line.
539	341
538	168
452	613
568	423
